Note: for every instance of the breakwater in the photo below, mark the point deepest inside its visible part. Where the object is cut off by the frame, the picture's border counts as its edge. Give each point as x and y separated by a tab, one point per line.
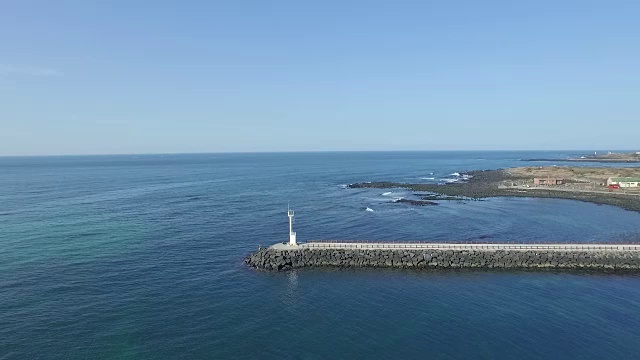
281	259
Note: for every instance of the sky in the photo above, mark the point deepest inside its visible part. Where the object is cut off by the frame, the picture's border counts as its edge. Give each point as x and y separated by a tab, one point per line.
114	77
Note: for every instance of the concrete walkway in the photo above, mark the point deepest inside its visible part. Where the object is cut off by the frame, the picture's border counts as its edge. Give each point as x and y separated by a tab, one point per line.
455	246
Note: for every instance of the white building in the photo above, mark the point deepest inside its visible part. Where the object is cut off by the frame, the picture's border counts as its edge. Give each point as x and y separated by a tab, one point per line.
624	182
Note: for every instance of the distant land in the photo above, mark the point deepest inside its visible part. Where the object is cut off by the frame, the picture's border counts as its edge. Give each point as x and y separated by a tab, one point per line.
611	157
587	184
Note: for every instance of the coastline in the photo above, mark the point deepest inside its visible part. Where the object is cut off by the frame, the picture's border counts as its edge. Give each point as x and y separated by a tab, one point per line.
611	157
482	184
593	160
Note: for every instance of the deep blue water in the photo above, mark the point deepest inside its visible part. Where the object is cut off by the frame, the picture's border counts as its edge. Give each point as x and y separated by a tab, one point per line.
141	257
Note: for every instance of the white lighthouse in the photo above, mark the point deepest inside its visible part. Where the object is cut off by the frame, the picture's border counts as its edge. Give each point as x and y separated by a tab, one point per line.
292	235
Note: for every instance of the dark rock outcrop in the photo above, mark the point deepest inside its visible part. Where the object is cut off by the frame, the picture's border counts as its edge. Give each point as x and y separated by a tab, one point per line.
416	202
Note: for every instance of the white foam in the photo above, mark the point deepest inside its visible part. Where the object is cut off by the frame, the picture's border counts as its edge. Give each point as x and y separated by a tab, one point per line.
343	186
387	193
427	178
369	209
455	174
448	181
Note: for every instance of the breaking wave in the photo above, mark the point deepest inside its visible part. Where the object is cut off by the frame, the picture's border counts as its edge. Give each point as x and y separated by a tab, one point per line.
369	209
387	193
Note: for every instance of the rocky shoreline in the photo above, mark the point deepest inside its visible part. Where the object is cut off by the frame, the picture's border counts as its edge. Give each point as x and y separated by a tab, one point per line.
282	260
611	157
485	184
594	160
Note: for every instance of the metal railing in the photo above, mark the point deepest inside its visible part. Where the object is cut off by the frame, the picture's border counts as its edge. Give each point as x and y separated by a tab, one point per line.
468	245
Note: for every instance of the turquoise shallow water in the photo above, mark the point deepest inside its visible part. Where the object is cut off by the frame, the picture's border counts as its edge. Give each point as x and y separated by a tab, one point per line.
140	257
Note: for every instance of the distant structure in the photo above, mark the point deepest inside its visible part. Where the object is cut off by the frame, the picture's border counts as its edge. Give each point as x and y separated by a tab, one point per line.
547	181
292	234
624	182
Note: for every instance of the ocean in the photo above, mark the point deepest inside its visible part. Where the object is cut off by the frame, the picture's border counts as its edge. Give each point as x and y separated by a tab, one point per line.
140	257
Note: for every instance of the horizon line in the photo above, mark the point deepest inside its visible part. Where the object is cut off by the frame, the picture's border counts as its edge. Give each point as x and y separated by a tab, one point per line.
303	151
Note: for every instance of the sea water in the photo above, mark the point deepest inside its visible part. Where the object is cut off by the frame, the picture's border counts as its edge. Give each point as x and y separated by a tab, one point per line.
140	256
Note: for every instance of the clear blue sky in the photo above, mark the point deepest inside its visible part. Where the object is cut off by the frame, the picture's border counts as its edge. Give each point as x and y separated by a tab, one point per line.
87	77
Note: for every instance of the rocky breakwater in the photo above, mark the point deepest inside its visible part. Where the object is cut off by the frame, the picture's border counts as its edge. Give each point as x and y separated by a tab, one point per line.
280	260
